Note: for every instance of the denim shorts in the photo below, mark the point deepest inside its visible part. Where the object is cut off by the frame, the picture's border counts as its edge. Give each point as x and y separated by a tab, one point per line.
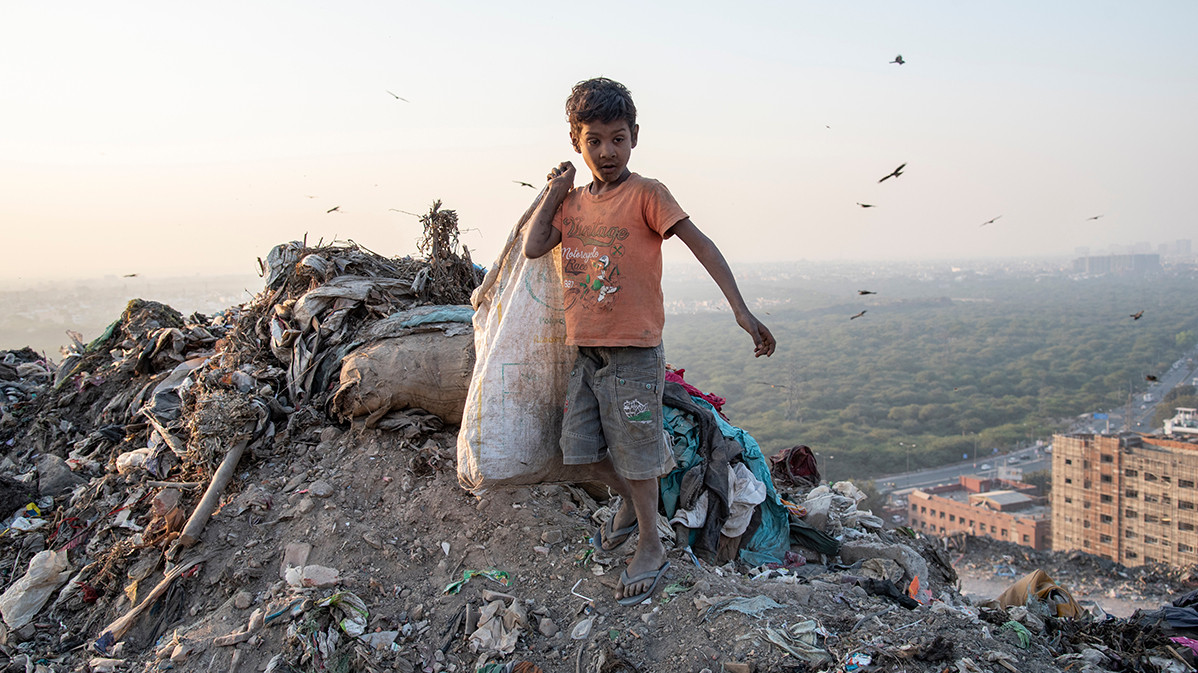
613	409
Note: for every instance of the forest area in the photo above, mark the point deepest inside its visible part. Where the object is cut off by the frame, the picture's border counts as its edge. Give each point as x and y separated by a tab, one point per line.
941	364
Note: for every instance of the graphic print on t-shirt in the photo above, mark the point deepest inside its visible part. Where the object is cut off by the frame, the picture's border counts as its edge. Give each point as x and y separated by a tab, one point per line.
591	267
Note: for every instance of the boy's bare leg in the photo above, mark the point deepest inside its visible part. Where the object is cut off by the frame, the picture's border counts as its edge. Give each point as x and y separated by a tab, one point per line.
642	494
650	552
605	472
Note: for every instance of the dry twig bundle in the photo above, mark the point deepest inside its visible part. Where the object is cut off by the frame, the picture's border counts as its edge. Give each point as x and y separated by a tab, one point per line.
451	276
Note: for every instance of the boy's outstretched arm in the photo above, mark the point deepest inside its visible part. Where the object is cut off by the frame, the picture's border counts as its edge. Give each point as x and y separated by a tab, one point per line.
542	236
713	260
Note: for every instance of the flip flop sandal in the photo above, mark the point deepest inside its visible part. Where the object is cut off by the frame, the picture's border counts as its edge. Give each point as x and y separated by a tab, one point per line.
625	580
613	538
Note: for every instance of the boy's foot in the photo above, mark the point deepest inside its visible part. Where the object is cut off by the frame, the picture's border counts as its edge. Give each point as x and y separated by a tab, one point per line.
608	537
635	590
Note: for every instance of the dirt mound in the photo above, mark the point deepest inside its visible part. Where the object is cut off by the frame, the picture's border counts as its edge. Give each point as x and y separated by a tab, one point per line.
193	505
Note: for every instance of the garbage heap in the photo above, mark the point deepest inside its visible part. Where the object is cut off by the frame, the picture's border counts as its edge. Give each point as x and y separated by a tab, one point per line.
273	488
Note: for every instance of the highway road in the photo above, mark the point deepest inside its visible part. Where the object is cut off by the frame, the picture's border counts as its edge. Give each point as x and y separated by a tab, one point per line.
1029	460
1034	459
1183	372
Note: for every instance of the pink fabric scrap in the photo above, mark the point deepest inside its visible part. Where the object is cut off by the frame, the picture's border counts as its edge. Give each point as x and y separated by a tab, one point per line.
1187	642
675	375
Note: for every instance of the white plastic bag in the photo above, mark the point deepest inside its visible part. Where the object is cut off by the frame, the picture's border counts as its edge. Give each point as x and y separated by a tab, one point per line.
513	417
25	598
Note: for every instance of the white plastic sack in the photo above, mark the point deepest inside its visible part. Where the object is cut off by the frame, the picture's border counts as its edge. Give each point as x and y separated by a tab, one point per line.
513	417
26	597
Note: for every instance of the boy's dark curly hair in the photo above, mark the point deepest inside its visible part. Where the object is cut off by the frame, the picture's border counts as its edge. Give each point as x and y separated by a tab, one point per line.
599	99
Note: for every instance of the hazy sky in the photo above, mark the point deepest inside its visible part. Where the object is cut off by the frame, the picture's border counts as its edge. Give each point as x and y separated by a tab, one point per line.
175	138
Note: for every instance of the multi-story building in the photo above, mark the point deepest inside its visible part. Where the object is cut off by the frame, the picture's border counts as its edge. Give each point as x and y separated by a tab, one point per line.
1184	423
1129	498
1117	264
1002	510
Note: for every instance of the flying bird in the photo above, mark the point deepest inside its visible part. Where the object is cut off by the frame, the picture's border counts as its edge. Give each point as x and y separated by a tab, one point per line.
1150	377
334	209
1137	315
989	221
866	292
524	184
1093	218
130	275
854	317
898	59
865	205
400	98
893	174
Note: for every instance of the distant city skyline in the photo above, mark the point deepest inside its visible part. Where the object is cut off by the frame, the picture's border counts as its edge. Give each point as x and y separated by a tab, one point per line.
164	139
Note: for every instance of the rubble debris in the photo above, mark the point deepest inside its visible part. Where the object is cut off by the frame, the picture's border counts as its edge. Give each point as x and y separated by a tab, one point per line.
323	540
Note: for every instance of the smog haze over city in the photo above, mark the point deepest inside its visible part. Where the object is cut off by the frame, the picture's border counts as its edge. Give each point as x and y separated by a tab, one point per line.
169	140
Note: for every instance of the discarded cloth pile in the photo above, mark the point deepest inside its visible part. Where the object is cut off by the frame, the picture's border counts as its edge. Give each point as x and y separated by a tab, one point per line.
722	497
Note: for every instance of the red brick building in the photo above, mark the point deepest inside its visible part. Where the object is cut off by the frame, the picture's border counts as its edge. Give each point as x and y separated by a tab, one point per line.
1002	510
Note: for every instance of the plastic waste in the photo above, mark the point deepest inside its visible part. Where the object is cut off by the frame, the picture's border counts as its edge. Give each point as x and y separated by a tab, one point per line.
26	597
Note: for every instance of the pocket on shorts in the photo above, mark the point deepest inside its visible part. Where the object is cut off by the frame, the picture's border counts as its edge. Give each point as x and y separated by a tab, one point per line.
638	406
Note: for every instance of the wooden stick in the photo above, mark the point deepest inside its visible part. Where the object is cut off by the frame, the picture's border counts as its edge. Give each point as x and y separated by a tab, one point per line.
1007	665
173	484
114	631
203	511
1177	656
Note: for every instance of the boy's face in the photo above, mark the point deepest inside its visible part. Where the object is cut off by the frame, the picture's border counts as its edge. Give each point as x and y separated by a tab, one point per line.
606	147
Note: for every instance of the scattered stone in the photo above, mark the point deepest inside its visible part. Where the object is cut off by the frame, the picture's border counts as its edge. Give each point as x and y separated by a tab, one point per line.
295	555
312	576
320	489
552	536
165	500
181	652
242	600
547	627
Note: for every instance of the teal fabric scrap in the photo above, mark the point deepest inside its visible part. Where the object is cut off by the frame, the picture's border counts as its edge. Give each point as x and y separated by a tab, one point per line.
435	314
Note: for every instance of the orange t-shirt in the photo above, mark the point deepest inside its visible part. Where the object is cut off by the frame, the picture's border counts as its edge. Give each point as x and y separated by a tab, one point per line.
611	262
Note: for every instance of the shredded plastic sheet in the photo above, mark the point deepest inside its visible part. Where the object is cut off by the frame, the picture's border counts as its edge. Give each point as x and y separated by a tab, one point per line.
500	576
753	606
349	610
1021	632
802	641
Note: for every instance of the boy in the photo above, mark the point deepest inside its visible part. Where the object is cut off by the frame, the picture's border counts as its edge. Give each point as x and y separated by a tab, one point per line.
611	232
